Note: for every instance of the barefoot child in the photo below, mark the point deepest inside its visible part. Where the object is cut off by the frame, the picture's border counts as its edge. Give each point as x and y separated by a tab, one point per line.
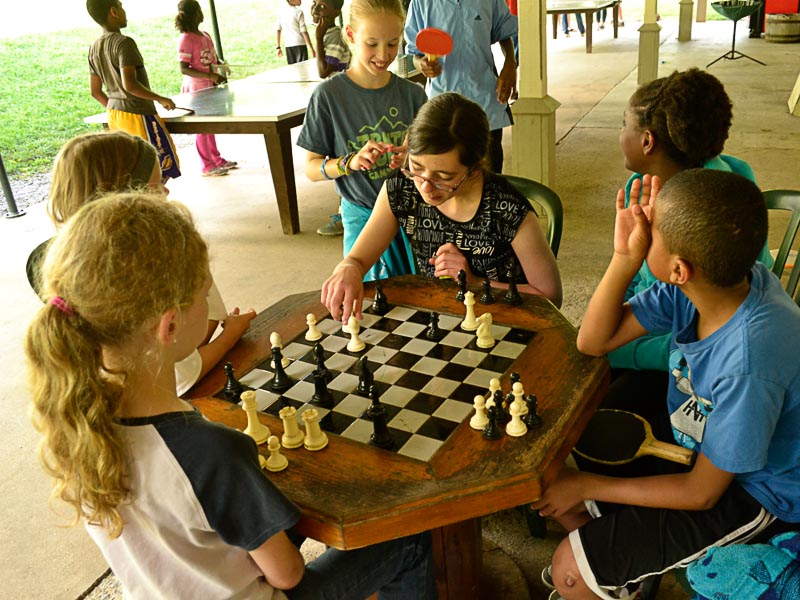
456	214
98	163
356	120
172	518
116	64
199	65
734	394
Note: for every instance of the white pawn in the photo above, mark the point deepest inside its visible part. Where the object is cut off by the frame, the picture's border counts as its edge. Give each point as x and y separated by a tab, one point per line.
494	384
313	334
515	427
255	428
469	323
276	341
485	337
519	398
292	434
276	461
479	420
356	344
315	437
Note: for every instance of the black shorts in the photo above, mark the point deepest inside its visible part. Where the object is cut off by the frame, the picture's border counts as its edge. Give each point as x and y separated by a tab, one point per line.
631	543
296	54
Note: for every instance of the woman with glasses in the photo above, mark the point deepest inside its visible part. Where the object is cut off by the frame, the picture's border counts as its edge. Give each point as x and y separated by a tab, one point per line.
457	214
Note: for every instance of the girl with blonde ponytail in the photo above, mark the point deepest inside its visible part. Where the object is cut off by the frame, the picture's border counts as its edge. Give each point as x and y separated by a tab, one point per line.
178	505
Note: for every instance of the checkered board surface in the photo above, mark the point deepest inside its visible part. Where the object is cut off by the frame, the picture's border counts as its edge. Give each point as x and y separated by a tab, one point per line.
426	387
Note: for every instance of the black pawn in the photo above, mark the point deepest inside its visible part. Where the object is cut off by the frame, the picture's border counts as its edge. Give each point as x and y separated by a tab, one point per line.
319	360
512	296
492	431
380	432
322	396
365	377
512	379
502	415
233	388
379	305
487	297
280	382
532	419
433	332
461	280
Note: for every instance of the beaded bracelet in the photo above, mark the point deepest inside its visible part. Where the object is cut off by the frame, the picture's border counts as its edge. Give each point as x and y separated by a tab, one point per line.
343	164
322	169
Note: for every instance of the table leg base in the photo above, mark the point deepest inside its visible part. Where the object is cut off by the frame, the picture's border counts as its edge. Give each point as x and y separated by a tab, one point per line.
458	557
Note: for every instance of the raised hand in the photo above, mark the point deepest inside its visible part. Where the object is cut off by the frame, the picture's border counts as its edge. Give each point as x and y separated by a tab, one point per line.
632	235
448	261
367	158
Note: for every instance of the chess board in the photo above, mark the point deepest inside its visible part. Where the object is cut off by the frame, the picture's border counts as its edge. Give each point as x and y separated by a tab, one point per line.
426	387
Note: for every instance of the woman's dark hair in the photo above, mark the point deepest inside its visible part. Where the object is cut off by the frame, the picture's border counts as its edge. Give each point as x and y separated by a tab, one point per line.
187	15
450	121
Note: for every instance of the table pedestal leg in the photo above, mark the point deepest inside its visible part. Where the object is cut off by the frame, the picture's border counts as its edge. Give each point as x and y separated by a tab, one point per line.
458	557
281	166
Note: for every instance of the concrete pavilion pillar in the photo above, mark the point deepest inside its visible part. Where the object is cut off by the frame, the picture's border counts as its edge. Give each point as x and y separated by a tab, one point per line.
533	144
685	20
702	9
649	39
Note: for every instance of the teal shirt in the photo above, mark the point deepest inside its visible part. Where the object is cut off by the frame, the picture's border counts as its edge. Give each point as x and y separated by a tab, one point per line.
651	351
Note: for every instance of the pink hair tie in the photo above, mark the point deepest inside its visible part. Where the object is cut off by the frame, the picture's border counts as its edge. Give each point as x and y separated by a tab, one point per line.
61	305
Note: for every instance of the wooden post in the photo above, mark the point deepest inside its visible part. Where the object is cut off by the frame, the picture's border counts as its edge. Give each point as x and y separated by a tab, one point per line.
794	99
649	37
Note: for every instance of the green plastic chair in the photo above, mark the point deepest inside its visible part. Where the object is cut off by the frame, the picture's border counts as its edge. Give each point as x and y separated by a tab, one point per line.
538	193
786	200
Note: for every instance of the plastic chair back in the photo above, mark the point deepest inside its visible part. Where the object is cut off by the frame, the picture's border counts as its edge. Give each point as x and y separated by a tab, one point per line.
786	200
538	193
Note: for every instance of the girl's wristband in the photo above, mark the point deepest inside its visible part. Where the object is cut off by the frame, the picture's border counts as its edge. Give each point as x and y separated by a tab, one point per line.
322	169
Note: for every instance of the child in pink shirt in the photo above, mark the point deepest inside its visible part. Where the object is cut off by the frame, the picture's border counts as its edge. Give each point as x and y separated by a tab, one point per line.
197	59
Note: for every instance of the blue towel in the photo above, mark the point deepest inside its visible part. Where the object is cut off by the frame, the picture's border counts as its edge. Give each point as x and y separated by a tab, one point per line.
759	571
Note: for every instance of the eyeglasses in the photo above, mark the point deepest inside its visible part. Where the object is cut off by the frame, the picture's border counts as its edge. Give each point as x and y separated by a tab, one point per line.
450	189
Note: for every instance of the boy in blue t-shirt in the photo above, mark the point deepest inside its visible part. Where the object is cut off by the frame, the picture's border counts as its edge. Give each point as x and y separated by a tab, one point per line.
734	394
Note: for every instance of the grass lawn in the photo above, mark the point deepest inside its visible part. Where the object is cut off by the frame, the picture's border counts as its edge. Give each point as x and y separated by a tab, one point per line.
45	77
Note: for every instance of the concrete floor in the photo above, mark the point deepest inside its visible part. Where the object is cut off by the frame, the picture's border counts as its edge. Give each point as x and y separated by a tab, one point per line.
255	265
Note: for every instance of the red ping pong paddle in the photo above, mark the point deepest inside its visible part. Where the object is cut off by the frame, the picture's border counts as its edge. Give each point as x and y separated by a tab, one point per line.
615	437
434	43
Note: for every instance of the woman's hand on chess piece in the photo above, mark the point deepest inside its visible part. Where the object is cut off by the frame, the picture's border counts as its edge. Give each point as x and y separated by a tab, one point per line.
343	291
449	260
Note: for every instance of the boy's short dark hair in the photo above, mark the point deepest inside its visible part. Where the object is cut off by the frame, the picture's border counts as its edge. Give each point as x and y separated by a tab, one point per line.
98	9
715	220
338	4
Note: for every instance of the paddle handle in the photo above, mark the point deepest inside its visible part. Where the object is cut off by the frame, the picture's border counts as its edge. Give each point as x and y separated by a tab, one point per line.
671	452
432	58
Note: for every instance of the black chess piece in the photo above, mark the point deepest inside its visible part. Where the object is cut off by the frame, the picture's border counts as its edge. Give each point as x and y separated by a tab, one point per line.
492	431
319	360
233	388
365	377
375	408
380	432
502	414
280	382
322	396
532	419
487	297
461	280
512	379
380	306
433	332
512	296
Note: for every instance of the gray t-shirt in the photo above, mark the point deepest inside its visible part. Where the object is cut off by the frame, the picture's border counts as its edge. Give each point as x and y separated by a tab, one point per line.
342	116
107	55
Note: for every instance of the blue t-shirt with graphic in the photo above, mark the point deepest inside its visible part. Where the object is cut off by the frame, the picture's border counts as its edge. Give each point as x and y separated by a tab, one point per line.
735	395
341	117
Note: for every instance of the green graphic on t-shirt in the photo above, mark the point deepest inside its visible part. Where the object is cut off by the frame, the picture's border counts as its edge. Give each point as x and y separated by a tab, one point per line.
387	130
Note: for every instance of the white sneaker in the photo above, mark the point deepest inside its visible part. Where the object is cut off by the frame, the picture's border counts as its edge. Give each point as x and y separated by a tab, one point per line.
547	577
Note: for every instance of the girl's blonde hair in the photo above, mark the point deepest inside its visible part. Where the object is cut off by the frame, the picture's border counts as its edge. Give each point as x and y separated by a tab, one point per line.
360	9
120	263
94	164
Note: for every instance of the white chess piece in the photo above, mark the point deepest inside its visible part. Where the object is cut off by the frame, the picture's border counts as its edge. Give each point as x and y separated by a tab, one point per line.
255	428
484	333
469	323
276	461
355	344
313	334
315	437
276	341
515	427
519	398
479	420
292	434
494	384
